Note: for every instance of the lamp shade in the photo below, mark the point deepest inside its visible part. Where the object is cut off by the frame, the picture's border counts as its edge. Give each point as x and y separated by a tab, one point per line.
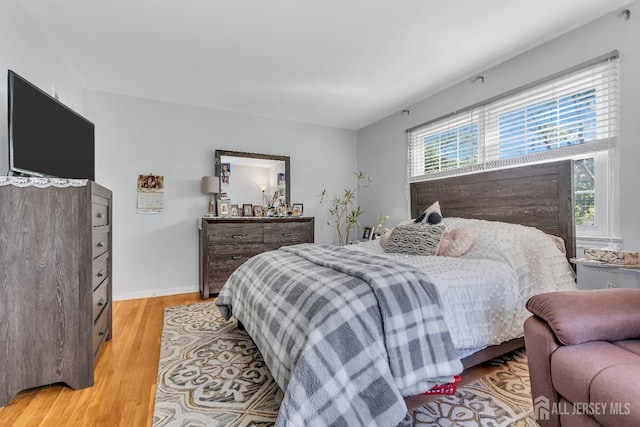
210	184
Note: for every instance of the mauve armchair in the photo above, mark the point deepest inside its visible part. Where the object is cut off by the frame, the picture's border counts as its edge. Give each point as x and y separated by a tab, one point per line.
583	349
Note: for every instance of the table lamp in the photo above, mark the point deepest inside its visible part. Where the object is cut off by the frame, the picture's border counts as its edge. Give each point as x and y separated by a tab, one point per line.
211	186
264	198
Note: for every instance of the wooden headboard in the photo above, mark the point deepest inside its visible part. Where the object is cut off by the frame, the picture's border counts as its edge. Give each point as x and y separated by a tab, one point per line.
539	196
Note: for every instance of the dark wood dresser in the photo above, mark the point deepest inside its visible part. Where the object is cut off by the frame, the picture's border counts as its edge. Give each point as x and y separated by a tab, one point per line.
55	283
226	243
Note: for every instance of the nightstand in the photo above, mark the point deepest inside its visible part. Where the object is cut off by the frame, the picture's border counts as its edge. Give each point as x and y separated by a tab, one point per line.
597	275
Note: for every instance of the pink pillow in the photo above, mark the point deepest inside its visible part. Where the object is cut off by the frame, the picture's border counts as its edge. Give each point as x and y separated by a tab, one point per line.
456	242
384	239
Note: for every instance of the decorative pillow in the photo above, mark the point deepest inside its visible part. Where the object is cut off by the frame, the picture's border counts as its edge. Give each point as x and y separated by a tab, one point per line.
416	239
431	215
559	243
384	238
457	242
434	218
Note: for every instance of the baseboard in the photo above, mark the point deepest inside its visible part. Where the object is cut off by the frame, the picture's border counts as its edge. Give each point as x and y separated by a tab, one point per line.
119	296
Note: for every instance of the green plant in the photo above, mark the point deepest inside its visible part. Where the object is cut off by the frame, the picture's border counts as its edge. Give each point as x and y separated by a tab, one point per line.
382	219
342	213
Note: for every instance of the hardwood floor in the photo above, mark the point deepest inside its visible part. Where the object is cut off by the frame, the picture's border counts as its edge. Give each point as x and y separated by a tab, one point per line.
125	376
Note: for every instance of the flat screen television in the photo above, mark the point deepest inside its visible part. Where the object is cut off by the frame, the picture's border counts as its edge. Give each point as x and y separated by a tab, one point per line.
46	138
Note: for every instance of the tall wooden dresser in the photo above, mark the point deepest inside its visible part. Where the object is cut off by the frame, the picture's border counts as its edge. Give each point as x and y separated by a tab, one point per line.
55	281
226	243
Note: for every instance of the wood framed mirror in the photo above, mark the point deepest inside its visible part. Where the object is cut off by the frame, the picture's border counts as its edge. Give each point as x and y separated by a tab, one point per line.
257	160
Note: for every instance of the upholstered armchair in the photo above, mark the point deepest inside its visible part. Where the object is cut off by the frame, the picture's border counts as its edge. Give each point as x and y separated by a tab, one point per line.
583	349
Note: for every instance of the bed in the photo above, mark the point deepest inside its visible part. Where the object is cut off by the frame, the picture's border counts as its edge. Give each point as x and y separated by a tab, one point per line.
539	196
354	336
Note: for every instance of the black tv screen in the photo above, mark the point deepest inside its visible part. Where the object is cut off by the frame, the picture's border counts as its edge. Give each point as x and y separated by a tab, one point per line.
46	138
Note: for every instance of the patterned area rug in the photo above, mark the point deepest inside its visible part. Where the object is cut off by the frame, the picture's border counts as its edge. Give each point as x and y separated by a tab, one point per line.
211	374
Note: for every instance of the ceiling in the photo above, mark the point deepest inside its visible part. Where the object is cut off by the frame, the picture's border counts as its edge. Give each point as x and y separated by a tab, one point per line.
341	63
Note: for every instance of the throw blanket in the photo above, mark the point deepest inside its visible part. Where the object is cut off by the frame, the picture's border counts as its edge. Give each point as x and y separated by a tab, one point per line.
346	335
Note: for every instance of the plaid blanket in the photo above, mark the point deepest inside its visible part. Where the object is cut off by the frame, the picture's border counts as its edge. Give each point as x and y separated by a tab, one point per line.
345	334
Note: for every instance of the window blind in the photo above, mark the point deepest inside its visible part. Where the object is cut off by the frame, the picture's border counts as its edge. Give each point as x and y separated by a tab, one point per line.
564	116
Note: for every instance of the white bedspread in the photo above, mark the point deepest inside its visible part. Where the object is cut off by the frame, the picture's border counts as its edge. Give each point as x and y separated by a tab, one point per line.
484	292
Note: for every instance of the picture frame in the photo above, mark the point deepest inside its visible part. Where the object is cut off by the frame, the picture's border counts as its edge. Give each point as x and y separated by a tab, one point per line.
247	209
367	233
234	210
224	208
257	210
297	209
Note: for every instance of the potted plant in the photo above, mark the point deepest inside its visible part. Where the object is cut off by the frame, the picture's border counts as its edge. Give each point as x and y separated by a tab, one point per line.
342	213
378	230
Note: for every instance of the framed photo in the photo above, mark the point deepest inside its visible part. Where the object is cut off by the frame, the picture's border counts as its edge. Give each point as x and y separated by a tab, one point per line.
368	231
247	210
234	210
224	208
257	210
296	209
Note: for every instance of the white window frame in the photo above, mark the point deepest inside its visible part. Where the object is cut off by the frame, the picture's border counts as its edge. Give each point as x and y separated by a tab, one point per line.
601	196
487	118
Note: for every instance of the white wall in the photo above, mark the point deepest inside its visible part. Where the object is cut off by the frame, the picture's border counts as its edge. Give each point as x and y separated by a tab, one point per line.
23	50
158	254
382	145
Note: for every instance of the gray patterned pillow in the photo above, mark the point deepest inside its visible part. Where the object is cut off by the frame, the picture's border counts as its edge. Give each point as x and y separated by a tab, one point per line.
415	239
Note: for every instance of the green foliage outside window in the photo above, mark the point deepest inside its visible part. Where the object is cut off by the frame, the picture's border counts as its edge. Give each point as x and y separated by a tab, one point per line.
584	183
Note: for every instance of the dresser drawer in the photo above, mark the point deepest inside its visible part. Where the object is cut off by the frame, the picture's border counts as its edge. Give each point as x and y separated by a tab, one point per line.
226	244
216	283
100	330
234	233
100	299
100	211
219	276
100	269
287	233
100	241
234	252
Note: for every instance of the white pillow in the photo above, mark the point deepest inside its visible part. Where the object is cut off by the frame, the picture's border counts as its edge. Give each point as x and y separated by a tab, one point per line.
435	207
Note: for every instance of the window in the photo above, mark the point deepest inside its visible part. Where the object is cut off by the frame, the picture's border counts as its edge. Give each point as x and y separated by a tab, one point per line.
574	115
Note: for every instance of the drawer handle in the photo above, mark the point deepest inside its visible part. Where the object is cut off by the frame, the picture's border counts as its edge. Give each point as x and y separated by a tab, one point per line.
287	234
100	274
101	302
238	236
100	244
102	331
99	215
236	257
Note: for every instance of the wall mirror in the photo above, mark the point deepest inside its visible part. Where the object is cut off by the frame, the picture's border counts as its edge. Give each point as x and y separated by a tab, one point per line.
243	176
